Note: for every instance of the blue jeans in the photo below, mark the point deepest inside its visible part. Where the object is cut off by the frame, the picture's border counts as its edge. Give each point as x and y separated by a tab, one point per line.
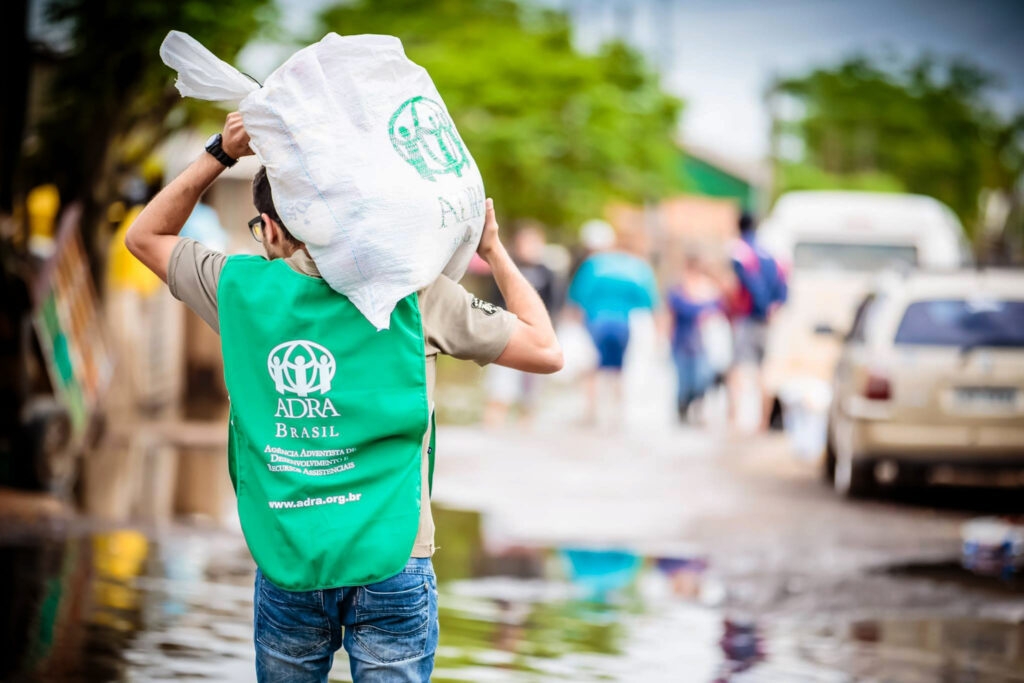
693	373
389	629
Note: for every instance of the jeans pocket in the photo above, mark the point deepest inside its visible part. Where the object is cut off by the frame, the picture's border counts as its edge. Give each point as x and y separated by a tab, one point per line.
392	625
291	624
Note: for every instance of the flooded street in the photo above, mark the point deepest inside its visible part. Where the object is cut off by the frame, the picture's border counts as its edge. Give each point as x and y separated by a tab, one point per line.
682	340
681	556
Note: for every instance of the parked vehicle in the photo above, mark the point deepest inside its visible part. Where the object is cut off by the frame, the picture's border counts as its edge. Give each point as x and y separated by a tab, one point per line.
931	374
836	243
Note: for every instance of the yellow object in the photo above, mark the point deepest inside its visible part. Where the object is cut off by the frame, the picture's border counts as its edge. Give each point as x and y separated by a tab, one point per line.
43	203
116	212
118	557
152	169
124	271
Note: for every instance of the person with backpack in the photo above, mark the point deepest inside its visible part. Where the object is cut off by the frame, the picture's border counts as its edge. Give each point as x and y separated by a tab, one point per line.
759	289
331	432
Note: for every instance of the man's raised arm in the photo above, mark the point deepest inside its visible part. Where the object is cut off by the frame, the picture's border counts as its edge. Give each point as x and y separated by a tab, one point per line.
533	346
151	238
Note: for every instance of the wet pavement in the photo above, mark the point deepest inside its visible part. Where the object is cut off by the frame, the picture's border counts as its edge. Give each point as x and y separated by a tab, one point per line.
565	555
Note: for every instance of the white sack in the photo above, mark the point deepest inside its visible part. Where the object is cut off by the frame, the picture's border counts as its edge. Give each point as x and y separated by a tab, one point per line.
365	164
201	74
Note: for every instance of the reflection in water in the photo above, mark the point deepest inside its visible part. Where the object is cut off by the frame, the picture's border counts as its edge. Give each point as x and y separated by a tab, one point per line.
105	607
117	557
742	645
119	606
601	572
53	628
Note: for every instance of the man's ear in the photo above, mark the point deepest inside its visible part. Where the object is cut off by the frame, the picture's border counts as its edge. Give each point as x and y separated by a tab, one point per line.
271	230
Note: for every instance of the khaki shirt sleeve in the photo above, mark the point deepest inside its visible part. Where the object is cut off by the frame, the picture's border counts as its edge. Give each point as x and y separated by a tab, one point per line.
193	274
458	324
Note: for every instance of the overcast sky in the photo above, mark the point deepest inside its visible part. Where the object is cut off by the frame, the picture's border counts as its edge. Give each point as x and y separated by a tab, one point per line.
724	52
728	50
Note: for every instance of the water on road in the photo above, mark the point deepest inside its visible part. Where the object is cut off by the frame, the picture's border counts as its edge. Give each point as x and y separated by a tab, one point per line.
124	605
644	552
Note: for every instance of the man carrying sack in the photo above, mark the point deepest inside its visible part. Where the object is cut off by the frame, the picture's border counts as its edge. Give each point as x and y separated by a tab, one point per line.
331	442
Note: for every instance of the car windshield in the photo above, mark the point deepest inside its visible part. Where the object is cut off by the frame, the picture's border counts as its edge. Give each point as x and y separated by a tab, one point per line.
856	257
963	323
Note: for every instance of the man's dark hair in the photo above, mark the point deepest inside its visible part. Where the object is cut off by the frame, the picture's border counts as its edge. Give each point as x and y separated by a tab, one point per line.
264	201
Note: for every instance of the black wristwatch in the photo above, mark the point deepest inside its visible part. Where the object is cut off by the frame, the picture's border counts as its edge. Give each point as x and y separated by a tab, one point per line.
213	146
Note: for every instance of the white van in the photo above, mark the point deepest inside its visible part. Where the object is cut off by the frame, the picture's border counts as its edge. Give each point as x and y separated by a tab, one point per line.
835	243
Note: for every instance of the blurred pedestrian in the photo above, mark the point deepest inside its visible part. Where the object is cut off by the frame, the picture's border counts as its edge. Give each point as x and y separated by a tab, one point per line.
507	387
204	227
607	287
333	477
689	302
758	290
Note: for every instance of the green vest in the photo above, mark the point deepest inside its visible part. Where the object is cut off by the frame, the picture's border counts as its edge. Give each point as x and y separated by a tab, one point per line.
326	430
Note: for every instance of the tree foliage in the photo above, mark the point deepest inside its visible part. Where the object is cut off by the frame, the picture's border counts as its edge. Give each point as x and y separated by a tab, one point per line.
806	176
102	92
924	126
556	134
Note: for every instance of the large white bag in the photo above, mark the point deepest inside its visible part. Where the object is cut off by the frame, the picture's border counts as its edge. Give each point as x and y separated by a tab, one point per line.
365	164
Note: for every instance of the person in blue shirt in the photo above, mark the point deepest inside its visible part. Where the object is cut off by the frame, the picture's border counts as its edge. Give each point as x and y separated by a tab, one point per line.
203	226
607	287
688	303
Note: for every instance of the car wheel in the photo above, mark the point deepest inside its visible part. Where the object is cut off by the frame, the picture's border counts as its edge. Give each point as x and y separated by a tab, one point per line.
853	479
850	478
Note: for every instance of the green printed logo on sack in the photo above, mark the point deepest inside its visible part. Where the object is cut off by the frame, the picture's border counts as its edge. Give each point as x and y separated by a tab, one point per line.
423	134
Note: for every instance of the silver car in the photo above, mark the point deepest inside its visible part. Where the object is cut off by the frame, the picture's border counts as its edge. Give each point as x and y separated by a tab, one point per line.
931	374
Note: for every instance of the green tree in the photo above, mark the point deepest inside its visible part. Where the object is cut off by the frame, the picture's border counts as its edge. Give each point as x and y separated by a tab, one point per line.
82	103
102	95
556	134
924	126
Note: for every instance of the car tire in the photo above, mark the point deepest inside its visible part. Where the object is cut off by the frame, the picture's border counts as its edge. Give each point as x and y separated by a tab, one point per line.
852	477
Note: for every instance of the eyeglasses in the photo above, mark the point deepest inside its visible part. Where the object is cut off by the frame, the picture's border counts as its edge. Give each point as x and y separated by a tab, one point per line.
256	228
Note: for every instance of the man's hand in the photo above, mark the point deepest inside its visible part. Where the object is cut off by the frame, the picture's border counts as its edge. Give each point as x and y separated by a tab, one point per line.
490	243
235	142
533	346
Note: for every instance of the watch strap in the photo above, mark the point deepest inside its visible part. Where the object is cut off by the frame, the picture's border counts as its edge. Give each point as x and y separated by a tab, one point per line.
218	152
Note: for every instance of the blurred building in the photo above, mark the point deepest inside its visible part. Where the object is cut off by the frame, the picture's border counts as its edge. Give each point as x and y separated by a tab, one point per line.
705	173
703	214
712	187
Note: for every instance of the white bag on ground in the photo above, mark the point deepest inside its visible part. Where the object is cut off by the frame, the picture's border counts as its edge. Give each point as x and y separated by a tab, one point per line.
365	164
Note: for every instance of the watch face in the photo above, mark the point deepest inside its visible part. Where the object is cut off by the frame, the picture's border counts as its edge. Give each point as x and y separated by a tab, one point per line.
212	140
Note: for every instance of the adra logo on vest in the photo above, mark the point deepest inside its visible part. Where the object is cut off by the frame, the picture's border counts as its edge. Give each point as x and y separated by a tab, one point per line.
300	368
